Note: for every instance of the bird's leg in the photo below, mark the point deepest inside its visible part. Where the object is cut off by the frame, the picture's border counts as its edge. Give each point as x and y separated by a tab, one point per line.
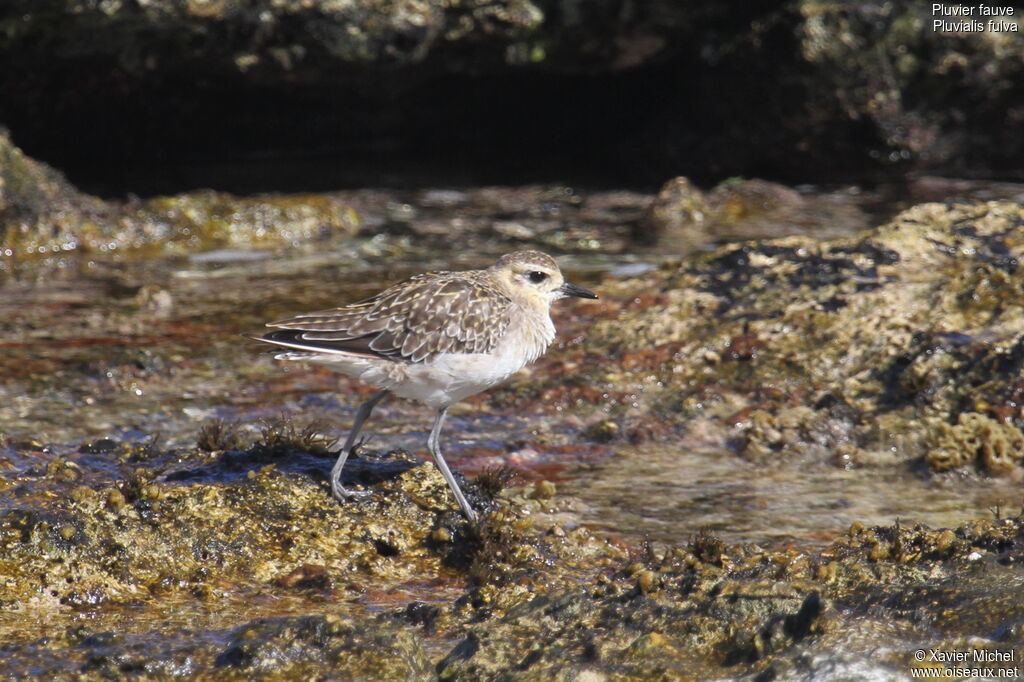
435	451
362	414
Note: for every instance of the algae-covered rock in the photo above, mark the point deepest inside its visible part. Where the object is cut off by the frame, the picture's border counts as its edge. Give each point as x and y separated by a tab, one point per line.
291	33
682	218
690	613
678	216
252	541
573	634
996	446
122	556
133	524
307	646
38	207
205	220
42	214
699	611
224	518
843	350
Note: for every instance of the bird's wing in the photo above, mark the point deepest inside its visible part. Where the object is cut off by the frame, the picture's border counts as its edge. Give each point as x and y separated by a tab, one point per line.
413	321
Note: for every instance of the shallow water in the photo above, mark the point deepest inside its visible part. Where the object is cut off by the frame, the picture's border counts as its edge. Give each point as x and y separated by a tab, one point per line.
667	493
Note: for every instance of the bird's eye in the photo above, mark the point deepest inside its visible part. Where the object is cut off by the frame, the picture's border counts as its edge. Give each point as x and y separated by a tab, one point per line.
537	277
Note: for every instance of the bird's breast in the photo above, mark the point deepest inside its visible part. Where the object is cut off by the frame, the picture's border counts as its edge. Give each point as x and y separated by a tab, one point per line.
451	377
529	334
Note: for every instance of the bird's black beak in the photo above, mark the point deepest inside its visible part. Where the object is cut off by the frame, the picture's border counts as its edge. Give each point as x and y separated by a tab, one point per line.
569	289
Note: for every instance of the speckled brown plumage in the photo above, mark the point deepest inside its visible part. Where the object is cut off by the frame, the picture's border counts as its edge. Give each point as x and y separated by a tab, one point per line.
413	321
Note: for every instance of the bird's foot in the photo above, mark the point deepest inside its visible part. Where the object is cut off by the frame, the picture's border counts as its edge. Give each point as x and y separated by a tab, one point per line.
342	494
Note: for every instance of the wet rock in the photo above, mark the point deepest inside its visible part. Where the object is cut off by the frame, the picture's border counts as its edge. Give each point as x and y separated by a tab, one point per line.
890	337
302	646
522	594
39	209
977	439
756	613
42	215
682	218
205	220
209	529
234	526
602	431
99	446
636	633
513	230
544	490
158	302
678	217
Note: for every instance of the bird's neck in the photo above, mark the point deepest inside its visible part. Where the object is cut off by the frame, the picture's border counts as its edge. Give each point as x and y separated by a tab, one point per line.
533	329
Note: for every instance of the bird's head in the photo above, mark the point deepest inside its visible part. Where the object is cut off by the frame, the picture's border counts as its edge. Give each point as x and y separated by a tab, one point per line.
536	277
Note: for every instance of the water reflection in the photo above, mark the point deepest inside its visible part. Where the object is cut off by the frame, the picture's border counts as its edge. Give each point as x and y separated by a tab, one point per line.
667	493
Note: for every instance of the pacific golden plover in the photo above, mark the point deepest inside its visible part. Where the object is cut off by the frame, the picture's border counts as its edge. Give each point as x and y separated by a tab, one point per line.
436	338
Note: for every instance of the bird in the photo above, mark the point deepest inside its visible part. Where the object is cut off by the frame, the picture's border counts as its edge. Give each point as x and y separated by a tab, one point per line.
435	338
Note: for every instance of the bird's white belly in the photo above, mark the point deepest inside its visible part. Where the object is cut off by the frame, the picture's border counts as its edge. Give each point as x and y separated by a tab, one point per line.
449	377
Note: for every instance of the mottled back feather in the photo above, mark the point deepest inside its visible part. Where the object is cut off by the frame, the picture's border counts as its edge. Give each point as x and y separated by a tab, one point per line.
413	321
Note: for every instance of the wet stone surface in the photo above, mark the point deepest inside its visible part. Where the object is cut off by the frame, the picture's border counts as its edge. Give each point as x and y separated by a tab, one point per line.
206	570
